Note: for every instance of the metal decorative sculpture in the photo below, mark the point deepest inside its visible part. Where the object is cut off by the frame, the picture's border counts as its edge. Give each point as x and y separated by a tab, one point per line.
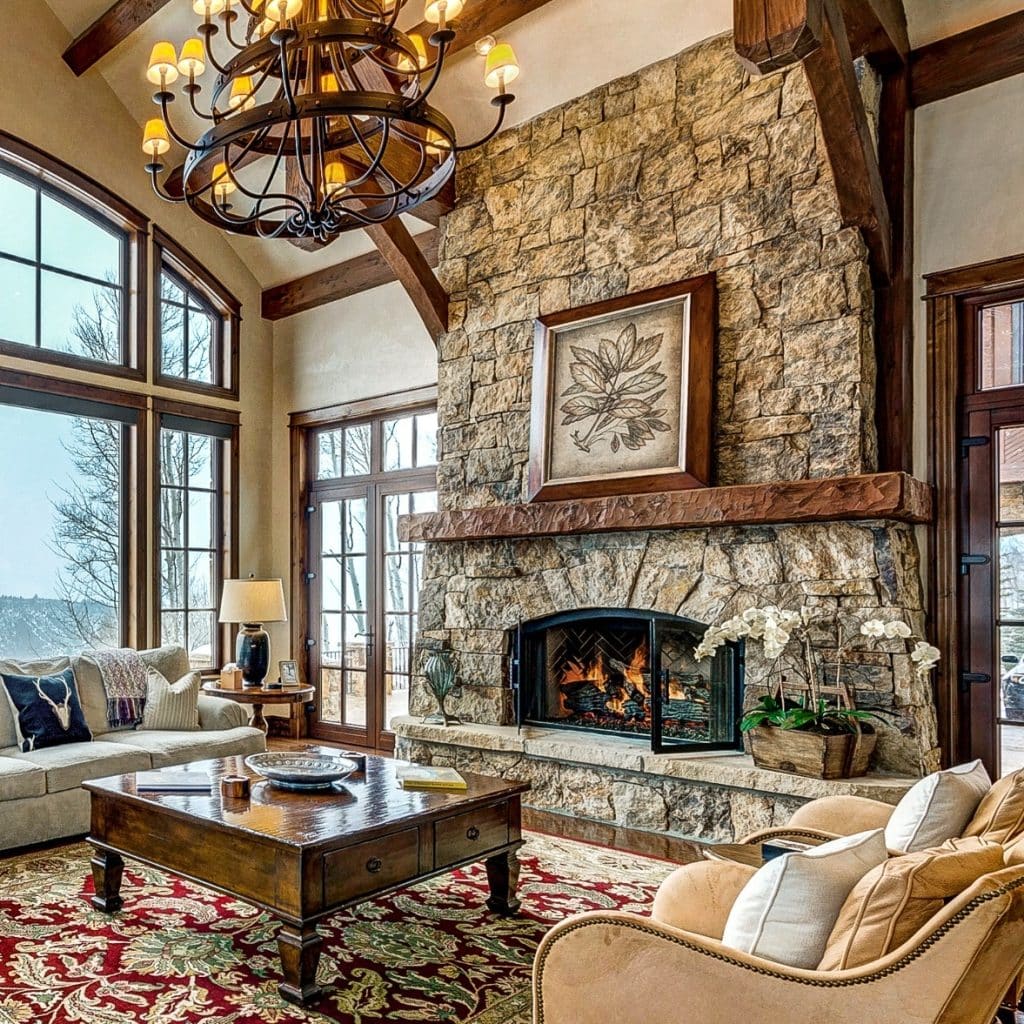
440	673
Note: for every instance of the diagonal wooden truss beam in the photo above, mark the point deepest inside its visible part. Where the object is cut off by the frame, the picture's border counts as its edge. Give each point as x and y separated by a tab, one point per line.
112	27
338	282
877	29
482	18
851	151
410	266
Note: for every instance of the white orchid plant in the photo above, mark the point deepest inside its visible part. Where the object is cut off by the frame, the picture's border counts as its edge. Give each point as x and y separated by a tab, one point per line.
776	628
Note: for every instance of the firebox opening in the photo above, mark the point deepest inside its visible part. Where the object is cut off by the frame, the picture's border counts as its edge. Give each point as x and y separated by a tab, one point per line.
629	673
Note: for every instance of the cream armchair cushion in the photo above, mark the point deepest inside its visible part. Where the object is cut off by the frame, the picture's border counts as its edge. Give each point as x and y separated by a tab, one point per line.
892	901
937	808
787	910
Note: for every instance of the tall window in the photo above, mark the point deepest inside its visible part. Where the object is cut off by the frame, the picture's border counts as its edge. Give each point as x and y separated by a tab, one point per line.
65	463
65	274
197	324
194	529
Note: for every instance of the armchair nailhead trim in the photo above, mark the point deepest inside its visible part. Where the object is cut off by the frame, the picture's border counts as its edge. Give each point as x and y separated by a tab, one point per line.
768	972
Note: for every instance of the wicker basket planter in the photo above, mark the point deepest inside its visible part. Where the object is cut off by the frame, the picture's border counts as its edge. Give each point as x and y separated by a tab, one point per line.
819	756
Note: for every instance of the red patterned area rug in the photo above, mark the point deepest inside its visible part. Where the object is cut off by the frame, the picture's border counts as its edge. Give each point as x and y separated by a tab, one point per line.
180	953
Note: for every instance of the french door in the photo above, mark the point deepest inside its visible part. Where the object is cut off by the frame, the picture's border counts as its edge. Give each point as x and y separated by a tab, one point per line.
991	679
362	581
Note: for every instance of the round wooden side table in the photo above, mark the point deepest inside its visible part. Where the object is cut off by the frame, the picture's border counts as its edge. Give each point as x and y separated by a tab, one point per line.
258	696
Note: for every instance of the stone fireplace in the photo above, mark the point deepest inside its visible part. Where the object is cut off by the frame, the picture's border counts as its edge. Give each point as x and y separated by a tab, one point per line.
686	167
626	672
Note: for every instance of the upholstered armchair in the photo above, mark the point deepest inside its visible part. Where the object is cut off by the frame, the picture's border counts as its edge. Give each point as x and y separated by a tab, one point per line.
617	968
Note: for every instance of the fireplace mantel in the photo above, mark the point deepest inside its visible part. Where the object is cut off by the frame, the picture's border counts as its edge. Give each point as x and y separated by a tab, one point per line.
893	496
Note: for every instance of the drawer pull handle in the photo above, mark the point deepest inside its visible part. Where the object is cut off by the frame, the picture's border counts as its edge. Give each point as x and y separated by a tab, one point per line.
472	832
374	864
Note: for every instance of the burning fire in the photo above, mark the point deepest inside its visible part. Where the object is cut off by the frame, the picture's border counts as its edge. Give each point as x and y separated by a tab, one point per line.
615	695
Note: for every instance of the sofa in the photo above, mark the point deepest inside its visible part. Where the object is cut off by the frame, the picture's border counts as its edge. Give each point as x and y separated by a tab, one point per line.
40	791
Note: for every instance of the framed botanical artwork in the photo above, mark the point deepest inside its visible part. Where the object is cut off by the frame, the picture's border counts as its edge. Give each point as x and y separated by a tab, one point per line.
622	394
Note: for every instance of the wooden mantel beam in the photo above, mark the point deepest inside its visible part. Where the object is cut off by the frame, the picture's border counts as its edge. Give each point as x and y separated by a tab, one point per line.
338	282
828	499
979	56
851	150
112	27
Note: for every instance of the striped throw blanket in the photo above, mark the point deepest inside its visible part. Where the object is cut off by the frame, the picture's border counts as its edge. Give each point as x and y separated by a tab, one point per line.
124	680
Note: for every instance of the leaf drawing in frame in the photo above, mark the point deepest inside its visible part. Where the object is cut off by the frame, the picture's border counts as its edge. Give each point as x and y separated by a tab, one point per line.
615	392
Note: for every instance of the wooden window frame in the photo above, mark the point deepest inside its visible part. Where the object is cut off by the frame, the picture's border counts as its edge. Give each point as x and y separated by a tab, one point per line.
226	514
51	176
50	394
952	298
228	310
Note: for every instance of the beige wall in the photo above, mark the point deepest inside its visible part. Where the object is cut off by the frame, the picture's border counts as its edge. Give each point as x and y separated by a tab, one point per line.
82	122
970	183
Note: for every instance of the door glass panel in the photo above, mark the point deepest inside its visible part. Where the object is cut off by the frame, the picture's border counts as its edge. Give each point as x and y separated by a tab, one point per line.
1001	343
357	450
355	698
398	436
1011	667
1010	446
395	505
426	440
355	526
1011	741
331	585
355	583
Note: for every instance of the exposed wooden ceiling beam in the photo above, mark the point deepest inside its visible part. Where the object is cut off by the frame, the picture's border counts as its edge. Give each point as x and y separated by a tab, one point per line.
121	19
970	59
877	29
773	34
410	266
851	151
356	275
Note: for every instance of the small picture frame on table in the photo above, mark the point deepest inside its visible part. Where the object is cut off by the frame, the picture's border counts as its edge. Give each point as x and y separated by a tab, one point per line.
289	673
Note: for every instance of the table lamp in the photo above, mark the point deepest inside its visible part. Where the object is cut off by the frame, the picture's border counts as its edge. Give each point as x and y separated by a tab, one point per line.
250	603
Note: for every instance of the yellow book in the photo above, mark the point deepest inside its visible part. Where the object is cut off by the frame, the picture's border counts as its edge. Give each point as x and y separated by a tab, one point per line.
420	776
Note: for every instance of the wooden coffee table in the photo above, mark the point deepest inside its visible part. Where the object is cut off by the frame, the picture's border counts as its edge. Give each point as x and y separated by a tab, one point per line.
304	856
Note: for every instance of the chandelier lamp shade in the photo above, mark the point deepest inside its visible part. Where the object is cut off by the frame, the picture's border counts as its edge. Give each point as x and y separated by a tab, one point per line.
318	117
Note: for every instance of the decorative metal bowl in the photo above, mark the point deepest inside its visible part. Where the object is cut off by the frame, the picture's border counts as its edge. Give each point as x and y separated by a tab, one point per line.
309	773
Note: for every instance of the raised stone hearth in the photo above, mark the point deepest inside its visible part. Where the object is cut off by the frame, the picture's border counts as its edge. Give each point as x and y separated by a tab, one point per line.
619	780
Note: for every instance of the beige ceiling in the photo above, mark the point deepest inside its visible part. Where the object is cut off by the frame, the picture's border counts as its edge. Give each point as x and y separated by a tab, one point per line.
566	48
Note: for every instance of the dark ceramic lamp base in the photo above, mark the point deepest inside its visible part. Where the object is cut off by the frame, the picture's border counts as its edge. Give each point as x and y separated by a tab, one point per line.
252	654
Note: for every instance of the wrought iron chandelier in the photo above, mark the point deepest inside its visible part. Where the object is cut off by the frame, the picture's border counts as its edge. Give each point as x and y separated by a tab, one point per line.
319	117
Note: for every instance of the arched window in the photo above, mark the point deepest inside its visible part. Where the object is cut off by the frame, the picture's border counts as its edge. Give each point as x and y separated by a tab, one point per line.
69	266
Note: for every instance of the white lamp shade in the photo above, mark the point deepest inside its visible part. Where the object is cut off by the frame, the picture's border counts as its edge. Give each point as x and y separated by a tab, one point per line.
253	601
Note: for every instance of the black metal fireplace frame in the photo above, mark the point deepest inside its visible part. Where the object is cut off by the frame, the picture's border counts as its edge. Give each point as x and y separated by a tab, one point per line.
528	653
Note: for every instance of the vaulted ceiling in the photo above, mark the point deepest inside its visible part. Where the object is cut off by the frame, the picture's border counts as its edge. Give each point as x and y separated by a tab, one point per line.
566	48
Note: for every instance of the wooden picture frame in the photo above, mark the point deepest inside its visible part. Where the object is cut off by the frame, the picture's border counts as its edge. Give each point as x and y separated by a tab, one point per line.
658	436
289	673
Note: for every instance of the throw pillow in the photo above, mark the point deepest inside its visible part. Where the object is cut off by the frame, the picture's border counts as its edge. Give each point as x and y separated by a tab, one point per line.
786	912
892	901
1000	815
171	705
46	710
937	808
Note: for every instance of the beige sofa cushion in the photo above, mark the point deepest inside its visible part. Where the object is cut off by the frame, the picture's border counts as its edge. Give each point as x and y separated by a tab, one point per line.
73	763
172	748
40	667
892	901
19	780
1000	815
171	705
787	910
937	807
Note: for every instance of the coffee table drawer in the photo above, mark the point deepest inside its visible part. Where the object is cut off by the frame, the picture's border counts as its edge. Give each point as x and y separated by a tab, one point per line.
464	835
366	867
